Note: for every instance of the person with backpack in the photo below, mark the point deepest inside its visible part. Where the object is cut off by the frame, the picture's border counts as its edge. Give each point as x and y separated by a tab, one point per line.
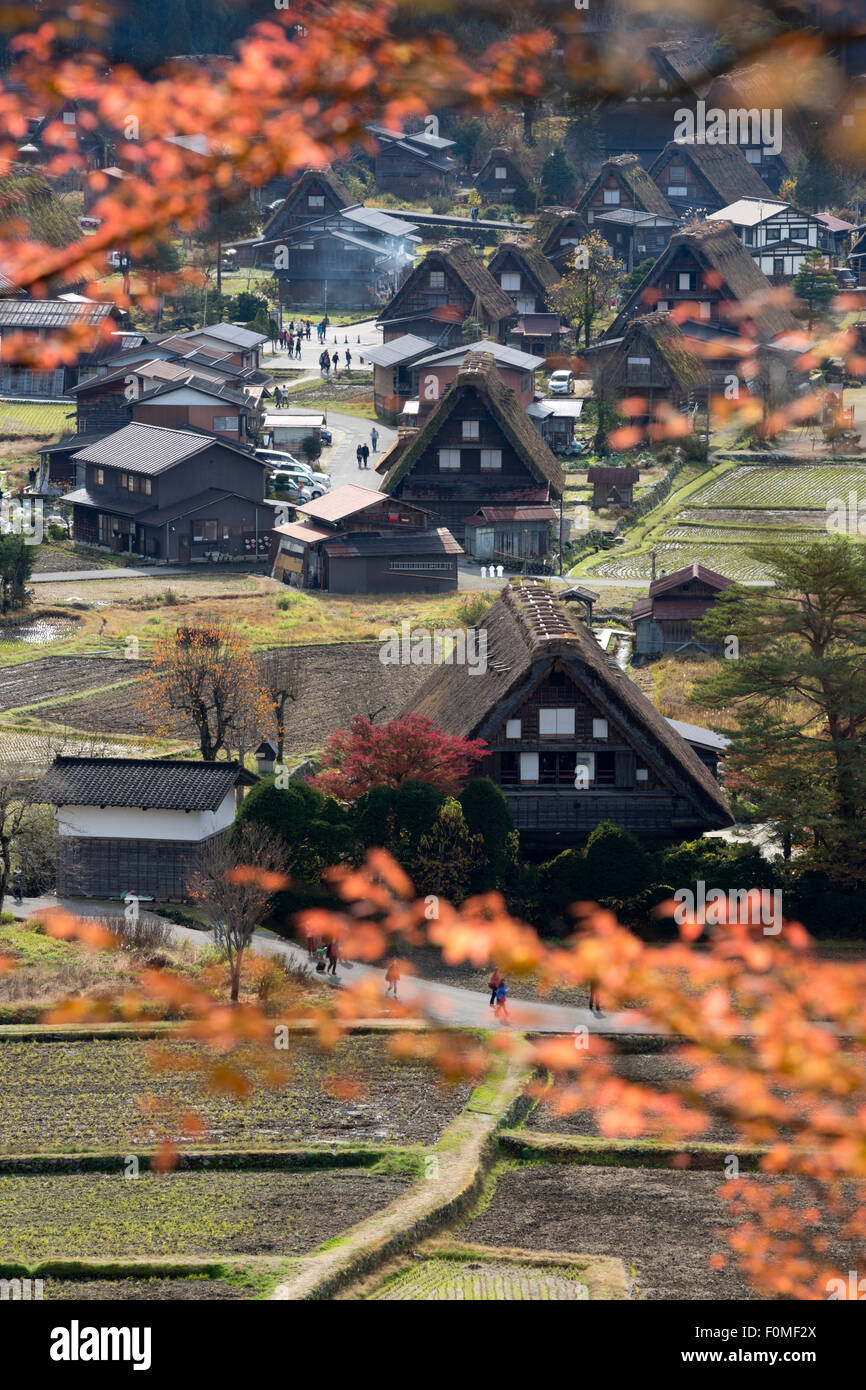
348	356
365	454
333	954
298	346
493	984
500	1008
359	454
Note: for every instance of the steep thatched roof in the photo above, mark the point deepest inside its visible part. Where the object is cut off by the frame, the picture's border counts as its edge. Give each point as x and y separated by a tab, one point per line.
478	375
299	186
514	157
608	360
470	270
682	61
527	629
755	88
725	168
534	262
716	248
548	225
648	197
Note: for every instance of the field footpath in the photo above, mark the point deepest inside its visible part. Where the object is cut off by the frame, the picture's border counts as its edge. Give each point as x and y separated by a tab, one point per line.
456	1164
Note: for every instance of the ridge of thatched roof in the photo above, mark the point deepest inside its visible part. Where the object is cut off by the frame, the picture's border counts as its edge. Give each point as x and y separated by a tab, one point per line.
724	167
479	374
460	257
716	247
682	60
516	158
686	367
646	193
326	176
529	627
534	261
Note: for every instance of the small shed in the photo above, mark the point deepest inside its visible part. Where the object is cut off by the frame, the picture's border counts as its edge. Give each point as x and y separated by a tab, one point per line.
612	487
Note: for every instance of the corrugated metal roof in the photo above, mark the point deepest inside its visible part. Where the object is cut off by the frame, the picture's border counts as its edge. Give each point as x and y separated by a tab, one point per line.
343	501
379	221
402	349
20	314
504	356
229	333
141	448
438	541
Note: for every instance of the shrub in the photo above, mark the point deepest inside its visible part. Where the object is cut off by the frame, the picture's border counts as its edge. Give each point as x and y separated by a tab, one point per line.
617	866
472	609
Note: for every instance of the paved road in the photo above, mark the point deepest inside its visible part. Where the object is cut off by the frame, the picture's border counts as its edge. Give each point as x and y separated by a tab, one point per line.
441	1004
120	572
340	459
354	336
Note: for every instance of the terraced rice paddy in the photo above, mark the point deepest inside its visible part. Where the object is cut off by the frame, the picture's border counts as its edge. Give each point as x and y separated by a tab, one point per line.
479	1280
673	555
812	486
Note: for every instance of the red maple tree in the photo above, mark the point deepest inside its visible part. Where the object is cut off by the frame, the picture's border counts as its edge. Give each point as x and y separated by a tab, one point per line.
386	755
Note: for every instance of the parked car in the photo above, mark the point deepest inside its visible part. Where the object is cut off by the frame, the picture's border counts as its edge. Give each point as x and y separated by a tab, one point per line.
286	485
282	459
845	278
325	435
561	383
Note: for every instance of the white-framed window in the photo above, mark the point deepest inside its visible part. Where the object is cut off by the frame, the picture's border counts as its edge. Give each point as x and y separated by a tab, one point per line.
685	280
225	422
513	728
449	460
437	279
529	767
704	309
69	118
555	723
491	459
525	304
677	173
754	156
510	280
500	172
316	200
642	775
677	190
471	429
611	197
599	728
663	306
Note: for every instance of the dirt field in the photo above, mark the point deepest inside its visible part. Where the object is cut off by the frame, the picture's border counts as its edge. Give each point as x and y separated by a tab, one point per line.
659	1222
80	1095
335	682
119	1290
60	677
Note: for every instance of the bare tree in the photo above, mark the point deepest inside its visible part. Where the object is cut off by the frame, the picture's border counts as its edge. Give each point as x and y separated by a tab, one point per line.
237	878
281	677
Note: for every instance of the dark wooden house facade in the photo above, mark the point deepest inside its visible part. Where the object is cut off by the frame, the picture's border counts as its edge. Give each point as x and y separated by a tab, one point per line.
556	233
170	494
699	179
478	448
504	178
572	741
411	162
650	363
525	274
612	487
664	622
623	182
449	286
